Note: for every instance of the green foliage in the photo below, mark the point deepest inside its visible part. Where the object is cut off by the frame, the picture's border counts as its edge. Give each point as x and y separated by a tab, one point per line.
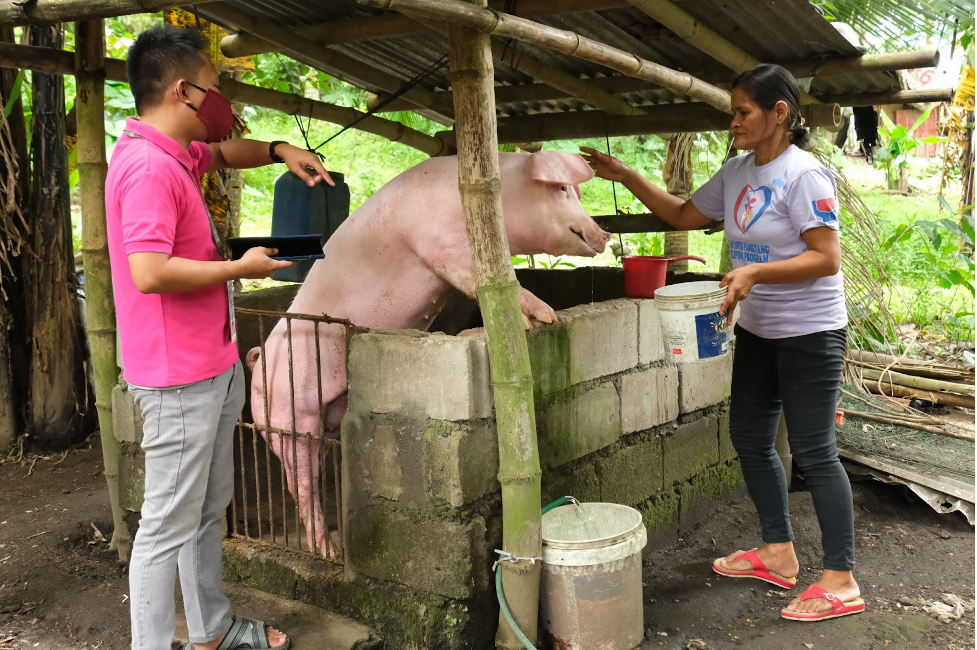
929	265
900	143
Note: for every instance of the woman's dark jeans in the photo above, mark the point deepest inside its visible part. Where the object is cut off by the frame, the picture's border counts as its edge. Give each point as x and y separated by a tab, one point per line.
800	375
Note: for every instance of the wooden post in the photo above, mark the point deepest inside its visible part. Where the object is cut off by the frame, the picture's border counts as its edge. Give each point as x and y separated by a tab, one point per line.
95	253
678	182
472	77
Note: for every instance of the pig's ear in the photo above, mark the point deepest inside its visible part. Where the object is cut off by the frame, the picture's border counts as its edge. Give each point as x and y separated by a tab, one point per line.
558	167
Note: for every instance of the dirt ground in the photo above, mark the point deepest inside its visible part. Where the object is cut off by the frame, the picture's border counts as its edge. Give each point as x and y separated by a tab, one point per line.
61	587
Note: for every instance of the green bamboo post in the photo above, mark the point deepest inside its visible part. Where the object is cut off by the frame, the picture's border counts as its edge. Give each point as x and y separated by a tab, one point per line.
100	307
472	81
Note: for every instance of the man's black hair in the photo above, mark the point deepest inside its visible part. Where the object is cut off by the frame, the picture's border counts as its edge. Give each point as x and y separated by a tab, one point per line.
159	56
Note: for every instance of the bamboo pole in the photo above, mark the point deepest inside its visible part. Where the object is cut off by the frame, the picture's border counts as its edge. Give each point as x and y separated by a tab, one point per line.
887	419
100	308
49	12
891	97
304	107
566	42
61	62
895	390
921	383
692	31
667	118
621	85
517	59
393	25
472	76
319	56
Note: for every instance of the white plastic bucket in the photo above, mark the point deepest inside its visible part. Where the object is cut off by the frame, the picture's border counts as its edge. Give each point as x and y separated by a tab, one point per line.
590	591
691	325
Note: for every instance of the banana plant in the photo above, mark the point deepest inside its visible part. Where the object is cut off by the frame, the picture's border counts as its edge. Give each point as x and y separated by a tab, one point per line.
893	157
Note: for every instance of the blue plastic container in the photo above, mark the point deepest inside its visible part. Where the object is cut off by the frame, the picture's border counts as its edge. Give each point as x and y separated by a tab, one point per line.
303	210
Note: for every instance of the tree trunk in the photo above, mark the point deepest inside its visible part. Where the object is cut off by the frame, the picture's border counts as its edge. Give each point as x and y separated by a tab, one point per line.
59	393
95	251
14	212
472	79
678	182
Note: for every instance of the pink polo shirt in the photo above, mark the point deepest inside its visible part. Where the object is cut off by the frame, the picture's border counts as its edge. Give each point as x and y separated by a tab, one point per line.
154	206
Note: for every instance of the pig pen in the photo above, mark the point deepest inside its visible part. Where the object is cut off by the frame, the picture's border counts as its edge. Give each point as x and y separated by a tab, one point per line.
416	503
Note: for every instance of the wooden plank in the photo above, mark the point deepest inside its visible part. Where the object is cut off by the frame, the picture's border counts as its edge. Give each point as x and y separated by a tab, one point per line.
643	222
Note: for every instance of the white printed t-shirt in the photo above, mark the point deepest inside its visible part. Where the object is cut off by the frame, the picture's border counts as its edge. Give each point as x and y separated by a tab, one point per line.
766	209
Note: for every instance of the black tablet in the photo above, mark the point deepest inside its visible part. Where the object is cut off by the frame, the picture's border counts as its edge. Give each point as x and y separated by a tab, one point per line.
290	247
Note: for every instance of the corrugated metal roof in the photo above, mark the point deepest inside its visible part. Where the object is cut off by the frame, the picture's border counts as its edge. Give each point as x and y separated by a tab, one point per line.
770	30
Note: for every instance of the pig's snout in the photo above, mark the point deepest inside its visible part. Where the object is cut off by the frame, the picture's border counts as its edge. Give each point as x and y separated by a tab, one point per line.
252	357
602	238
594	237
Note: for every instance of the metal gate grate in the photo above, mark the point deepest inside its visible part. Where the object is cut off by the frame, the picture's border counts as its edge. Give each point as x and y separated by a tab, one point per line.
264	508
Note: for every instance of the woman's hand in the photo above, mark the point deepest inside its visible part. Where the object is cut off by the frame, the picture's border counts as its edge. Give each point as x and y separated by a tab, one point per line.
607	167
739	282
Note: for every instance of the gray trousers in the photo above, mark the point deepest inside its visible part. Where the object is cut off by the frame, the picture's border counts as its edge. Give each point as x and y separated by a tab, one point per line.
188	438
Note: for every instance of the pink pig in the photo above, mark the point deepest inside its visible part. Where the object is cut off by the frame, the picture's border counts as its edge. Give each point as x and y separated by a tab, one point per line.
392	265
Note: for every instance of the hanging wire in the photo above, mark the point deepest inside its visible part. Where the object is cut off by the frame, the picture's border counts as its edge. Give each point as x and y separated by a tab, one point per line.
607	142
400	91
411	83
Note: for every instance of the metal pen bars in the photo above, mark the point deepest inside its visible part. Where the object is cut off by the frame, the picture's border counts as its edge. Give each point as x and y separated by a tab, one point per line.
264	508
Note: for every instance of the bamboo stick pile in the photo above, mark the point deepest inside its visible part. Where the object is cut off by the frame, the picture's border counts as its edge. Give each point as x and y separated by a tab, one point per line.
902	377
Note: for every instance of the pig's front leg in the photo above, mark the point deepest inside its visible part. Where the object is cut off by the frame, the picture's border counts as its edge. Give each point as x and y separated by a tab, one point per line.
462	278
533	307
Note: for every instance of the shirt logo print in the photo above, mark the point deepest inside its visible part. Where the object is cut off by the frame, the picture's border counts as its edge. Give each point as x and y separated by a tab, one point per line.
750	206
824	210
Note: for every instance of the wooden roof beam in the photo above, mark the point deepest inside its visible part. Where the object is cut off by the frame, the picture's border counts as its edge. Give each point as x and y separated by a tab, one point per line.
518	59
48	12
923	96
366	29
566	42
686	117
49	61
323	58
620	85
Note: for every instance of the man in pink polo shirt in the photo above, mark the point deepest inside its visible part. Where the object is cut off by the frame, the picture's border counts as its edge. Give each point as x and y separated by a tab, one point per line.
175	315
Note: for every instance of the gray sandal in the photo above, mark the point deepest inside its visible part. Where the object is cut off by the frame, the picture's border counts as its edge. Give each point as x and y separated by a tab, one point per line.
246	633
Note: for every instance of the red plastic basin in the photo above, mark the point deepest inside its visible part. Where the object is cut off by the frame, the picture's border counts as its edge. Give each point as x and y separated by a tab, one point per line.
645	273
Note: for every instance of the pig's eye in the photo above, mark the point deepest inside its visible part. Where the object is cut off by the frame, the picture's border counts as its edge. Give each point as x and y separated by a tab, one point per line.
563	188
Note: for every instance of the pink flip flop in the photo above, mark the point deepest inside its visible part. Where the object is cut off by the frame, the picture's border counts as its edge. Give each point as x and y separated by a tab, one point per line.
758	571
839	608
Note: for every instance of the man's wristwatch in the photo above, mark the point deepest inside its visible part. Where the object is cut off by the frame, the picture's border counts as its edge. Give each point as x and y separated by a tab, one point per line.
271	151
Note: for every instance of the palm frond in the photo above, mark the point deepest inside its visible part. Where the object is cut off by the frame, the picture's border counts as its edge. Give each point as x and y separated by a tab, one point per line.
870	323
899	22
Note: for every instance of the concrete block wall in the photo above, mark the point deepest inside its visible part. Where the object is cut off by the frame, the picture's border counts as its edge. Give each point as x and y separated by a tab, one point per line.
616	421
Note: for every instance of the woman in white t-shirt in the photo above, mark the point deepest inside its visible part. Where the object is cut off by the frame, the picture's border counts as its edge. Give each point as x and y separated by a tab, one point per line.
779	209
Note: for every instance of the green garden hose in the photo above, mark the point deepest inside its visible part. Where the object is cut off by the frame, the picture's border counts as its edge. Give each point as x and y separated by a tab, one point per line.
498	578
